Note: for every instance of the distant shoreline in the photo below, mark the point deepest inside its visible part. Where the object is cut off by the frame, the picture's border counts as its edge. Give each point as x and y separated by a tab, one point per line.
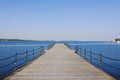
18	40
10	40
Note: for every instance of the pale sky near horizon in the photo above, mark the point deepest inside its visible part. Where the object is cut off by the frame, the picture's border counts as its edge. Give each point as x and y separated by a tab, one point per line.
60	19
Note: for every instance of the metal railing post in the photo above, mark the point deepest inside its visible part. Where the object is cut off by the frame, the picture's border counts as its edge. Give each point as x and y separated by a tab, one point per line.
16	59
101	60
42	50
26	56
80	52
90	57
33	53
50	46
84	53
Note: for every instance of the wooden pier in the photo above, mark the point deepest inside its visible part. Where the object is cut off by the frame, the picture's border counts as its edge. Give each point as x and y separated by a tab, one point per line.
59	63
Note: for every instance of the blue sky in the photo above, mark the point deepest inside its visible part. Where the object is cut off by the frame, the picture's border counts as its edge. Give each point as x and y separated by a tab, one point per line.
60	19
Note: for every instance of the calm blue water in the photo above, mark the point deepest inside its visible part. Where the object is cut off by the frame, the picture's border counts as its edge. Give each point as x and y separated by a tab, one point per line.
10	48
106	48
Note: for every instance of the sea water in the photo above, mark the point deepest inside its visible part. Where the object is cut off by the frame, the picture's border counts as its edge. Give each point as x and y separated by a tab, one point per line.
108	49
11	48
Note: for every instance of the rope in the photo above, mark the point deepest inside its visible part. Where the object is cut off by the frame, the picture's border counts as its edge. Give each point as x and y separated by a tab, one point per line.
30	59
21	53
95	59
111	66
110	58
7	65
87	55
99	54
22	64
97	65
37	53
30	55
95	53
15	55
7	57
37	49
21	58
30	51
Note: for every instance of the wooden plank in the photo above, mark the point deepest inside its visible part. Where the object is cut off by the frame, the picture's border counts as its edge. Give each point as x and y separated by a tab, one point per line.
60	63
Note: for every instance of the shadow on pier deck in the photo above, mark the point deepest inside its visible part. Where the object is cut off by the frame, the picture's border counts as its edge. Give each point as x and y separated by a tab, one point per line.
60	63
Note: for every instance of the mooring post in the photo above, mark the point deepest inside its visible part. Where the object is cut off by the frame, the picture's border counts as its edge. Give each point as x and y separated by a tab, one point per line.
90	57
16	59
76	50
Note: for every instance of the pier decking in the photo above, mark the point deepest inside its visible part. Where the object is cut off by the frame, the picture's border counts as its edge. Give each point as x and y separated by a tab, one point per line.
60	63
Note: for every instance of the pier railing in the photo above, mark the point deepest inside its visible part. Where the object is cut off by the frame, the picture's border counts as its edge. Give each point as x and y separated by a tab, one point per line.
50	46
14	62
10	64
19	60
97	59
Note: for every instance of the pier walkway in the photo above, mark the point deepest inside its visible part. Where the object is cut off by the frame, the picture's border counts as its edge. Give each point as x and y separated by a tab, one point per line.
60	63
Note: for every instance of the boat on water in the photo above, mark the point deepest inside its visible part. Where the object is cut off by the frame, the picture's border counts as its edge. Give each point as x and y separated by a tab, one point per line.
117	40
